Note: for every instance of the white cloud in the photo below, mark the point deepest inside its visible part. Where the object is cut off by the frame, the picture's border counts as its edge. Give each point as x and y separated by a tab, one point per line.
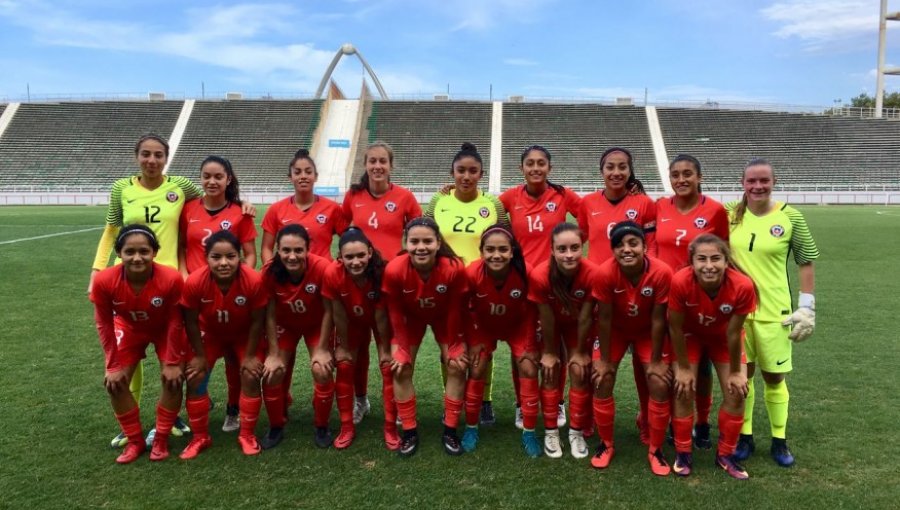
481	15
819	22
521	62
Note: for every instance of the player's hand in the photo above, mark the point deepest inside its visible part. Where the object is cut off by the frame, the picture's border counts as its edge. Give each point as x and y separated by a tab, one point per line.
475	355
549	367
172	376
248	209
447	188
737	384
196	368
323	358
115	382
273	369
685	383
802	323
396	366
602	370
252	366
660	370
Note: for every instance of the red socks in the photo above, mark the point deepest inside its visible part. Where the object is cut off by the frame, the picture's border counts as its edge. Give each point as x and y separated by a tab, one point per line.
681	428
605	418
529	394
658	420
407	411
165	418
361	370
474	396
550	406
452	408
130	421
579	407
729	428
323	397
704	405
387	394
344	391
198	414
640	383
249	408
273	395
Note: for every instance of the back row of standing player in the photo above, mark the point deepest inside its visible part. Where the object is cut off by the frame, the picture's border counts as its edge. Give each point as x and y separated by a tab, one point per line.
382	209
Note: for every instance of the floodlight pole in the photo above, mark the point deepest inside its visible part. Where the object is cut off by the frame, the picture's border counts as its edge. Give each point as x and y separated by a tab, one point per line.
879	82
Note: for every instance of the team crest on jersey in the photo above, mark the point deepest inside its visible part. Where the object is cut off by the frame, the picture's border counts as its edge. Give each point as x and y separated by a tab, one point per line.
156	301
240	300
631	214
776	231
647	291
310	288
321	218
578	293
172	196
390	206
700	222
225	224
515	293
726	308
597	344
441	288
483	212
551	206
371	295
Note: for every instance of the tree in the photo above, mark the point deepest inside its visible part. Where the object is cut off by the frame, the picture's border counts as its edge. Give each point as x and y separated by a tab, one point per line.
891	100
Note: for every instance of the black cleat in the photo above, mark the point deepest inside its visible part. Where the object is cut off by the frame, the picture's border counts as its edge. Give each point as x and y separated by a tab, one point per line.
322	437
272	438
409	444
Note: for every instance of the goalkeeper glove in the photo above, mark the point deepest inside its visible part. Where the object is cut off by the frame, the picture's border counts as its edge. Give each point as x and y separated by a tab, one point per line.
803	320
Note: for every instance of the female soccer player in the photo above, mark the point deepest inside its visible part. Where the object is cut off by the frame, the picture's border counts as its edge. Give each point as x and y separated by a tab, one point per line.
218	209
632	290
561	288
293	279
224	312
352	297
380	209
534	208
680	218
425	287
463	214
136	304
500	310
763	233
320	216
708	303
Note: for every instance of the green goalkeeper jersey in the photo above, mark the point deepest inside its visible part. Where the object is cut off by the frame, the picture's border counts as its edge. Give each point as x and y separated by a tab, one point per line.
462	223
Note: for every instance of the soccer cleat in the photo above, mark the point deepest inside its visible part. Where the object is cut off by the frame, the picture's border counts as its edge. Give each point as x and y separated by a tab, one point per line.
730	465
781	454
658	464
487	413
249	445
151	436
745	448
409	444
119	441
520	422
531	445
160	449
391	437
701	436
552	447
180	428
684	462
577	444
603	457
561	418
197	445
670	435
131	453
345	438
470	439
451	443
272	438
361	408
322	437
232	419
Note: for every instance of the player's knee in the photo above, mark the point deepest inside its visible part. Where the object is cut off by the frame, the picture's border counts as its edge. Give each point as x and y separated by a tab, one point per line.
248	380
772	378
659	388
527	368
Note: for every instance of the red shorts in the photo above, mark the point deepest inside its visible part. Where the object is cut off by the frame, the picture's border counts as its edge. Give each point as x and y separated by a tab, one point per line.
716	348
566	334
519	343
413	331
359	339
641	348
132	345
288	339
236	347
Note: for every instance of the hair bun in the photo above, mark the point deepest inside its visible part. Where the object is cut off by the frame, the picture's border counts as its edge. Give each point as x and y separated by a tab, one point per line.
301	153
469	147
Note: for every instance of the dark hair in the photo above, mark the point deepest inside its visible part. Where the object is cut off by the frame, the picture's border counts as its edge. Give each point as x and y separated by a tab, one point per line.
302	154
518	259
424	221
152	136
468	150
622	229
560	283
540	148
723	247
222	236
741	208
232	191
692	160
363	183
375	269
136	228
633	185
277	268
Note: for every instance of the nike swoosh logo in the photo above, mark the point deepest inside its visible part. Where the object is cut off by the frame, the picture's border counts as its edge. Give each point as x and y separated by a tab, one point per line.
520	207
691	304
285	221
206	300
345	294
782	362
117	303
594	213
358	205
480	295
618	291
663	220
281	293
130	201
444	210
408	291
193	221
531	404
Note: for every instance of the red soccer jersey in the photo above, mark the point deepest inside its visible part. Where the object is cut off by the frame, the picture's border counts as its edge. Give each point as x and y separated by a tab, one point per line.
633	304
598	216
197	224
154	310
675	231
709	317
410	298
382	219
323	219
499	311
224	317
358	302
540	291
533	218
298	306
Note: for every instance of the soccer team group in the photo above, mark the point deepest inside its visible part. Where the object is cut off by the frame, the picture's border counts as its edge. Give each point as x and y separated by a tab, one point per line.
685	284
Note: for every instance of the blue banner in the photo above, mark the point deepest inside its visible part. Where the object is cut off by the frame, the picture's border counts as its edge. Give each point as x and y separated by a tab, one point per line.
339	143
328	191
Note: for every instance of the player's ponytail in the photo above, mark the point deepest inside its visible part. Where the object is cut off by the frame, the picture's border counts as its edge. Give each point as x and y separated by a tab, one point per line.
560	284
468	150
232	190
375	268
277	268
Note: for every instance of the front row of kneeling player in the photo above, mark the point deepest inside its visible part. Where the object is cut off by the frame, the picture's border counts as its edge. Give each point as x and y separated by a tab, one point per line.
597	311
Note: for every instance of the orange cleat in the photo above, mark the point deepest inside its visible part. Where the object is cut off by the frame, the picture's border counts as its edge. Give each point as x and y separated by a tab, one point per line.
197	445
345	437
391	437
160	449
133	450
603	457
249	445
658	464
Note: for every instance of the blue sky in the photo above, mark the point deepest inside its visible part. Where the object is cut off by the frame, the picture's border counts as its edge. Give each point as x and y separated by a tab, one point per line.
805	52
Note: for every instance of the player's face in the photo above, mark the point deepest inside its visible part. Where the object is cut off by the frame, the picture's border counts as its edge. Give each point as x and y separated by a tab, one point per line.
223	261
497	252
630	252
355	256
758	181
422	244
536	167
303	175
378	165
685	179
292	251
615	171
567	250
214	179
137	255
151	157
709	265
466	173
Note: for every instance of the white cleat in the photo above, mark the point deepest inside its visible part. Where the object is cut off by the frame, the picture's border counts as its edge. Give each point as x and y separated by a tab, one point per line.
561	419
231	423
577	444
520	423
361	408
552	447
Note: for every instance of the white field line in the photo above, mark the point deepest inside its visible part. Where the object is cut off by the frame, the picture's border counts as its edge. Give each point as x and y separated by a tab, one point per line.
50	235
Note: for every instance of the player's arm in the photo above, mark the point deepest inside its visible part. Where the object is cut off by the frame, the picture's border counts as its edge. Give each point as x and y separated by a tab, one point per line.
432	205
341	322
268	246
737	379
106	331
197	366
321	353
251	363
602	367
182	248
684	376
550	356
502	214
249	250
657	337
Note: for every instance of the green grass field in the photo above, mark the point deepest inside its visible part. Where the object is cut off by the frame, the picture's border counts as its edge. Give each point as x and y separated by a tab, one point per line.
56	422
